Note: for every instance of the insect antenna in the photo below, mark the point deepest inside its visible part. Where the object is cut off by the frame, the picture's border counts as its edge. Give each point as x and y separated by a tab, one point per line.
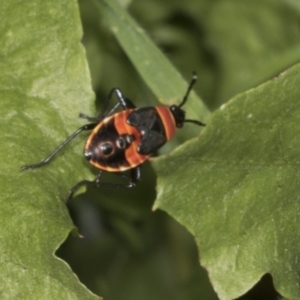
193	81
195	122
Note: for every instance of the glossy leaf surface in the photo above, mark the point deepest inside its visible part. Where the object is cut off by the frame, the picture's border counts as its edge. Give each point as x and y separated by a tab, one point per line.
236	188
43	81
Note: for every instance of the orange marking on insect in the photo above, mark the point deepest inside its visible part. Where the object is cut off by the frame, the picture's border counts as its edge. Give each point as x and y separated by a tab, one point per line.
168	120
132	156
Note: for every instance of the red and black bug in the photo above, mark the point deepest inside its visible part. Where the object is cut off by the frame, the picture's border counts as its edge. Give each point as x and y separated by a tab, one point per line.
122	141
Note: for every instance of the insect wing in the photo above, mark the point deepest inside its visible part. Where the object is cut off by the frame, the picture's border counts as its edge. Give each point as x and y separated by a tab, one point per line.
149	124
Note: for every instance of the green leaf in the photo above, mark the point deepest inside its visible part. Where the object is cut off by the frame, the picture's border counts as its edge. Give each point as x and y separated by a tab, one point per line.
162	78
236	188
43	80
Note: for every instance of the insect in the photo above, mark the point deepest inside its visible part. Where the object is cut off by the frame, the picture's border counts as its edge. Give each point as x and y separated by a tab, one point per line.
122	141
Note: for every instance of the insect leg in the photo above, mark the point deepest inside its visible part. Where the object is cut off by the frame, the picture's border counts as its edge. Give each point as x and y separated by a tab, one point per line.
135	176
80	183
124	102
69	139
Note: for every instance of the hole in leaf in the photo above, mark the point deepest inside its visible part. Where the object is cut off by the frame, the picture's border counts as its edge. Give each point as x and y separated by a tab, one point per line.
130	252
263	290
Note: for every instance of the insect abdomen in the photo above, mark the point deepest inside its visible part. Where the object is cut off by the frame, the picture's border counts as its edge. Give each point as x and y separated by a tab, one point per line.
112	144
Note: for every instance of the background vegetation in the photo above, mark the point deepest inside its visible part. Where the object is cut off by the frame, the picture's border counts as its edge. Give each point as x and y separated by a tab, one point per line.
228	195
